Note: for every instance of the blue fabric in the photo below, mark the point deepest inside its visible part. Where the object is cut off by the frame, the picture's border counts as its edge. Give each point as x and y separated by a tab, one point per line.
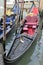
16	9
8	19
12	18
1	32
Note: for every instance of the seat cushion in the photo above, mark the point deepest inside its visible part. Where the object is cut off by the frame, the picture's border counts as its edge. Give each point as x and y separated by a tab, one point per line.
25	28
34	26
31	23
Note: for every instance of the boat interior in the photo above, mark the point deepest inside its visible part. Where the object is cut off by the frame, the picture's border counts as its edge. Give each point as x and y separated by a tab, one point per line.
30	25
23	43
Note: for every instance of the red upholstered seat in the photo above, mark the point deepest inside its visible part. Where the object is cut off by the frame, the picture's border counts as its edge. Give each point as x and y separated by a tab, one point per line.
25	28
28	18
32	19
31	23
35	10
31	31
34	26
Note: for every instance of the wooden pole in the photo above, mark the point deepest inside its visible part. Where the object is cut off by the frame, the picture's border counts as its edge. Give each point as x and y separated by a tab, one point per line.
22	7
39	4
4	25
16	17
15	1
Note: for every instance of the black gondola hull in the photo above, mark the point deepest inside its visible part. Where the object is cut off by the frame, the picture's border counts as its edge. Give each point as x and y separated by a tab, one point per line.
35	38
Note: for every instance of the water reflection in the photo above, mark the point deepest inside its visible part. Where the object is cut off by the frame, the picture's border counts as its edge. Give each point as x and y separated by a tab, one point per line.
35	56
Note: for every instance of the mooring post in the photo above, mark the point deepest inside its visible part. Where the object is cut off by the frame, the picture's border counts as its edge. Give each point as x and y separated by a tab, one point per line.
4	25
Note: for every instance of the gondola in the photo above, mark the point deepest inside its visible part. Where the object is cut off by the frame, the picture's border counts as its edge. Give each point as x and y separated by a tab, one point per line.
10	20
27	35
9	26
